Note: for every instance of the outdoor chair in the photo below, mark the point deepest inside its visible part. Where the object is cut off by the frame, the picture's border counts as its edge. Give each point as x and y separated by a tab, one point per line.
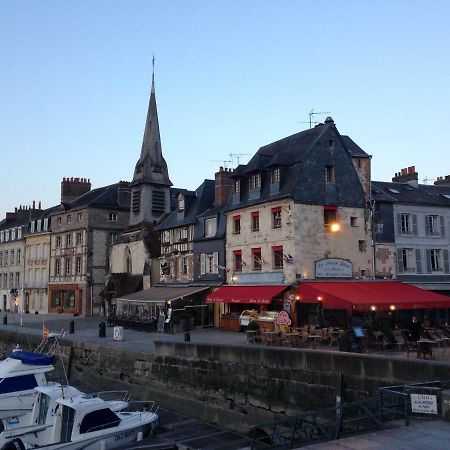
411	345
400	342
439	332
380	342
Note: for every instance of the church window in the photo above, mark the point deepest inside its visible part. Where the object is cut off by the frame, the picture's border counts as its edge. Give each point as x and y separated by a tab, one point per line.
157	168
158	199
136	201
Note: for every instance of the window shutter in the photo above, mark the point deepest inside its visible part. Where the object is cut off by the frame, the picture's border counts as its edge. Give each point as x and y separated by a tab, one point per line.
215	262
428	259
202	264
446	268
414	224
418	261
399	261
442	221
399	224
427	226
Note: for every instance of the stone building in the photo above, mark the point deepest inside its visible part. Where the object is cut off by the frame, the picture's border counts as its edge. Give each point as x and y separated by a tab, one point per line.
414	218
84	227
12	249
37	262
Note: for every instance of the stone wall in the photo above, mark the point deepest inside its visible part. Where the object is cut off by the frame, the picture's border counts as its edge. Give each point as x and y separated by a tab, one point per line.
236	386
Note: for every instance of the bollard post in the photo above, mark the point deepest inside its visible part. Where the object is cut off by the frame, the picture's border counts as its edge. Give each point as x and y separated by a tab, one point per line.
187	337
72	327
5	320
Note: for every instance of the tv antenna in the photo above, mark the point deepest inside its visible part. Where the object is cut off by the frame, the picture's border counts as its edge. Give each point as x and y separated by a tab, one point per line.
223	161
237	156
426	180
311	115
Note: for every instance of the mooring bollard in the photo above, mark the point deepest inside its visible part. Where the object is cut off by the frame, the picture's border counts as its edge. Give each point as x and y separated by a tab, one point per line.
72	327
5	320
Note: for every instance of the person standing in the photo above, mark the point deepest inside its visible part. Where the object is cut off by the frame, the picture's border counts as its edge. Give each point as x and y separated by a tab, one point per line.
415	329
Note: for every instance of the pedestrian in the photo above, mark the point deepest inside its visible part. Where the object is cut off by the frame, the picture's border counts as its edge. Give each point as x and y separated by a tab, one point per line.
415	329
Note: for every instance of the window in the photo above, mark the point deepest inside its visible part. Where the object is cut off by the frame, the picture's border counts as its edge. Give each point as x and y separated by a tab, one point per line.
331	143
432	225
17	279
362	246
59	220
19	233
157	168
237	260
255	221
184	265
6	257
183	233
6	235
18	255
181	203
57	267
329	216
210	227
80	217
13	234
98	420
11	260
112	217
406	227
379	225
255	181
276	217
236	186
2	236
68	240
408	260
436	264
58	241
165	236
209	263
69	219
136	201
68	270
112	238
79	238
277	258
39	226
354	221
1	258
32	226
275	175
78	265
17	383
329	174
236	224
256	259
46	224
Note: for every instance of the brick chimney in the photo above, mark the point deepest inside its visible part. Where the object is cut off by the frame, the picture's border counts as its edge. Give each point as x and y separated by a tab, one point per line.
442	181
223	186
123	194
72	188
407	175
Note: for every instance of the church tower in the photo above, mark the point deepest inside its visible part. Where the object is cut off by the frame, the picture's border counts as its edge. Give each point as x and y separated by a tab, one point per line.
150	188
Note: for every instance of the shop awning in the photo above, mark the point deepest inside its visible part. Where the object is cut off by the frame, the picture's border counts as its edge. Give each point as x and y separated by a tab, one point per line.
161	294
259	295
362	295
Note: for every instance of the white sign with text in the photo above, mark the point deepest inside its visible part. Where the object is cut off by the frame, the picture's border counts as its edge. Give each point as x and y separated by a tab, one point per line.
334	268
423	403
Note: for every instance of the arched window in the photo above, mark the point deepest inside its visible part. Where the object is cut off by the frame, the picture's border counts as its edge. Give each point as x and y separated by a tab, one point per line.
128	265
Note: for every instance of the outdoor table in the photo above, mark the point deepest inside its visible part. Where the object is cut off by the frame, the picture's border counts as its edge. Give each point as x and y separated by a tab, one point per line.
313	339
425	347
293	339
270	337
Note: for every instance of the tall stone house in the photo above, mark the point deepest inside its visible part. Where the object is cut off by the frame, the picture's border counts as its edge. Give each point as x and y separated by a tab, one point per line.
84	227
37	262
12	249
415	219
298	206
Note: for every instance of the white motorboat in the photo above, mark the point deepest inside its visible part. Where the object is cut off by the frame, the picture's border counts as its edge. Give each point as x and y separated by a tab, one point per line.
87	423
44	410
20	373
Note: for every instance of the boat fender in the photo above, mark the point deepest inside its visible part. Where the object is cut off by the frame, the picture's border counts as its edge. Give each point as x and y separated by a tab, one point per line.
15	444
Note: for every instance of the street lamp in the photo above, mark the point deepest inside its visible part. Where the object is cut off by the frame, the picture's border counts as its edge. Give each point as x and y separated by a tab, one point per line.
335	227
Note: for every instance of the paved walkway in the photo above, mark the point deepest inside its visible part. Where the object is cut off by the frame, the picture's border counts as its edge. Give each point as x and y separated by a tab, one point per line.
421	434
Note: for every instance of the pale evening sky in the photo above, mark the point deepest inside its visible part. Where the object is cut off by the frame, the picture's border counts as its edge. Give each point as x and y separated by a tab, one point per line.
231	76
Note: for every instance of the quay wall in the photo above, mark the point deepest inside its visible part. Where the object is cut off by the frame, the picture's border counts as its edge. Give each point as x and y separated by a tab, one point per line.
235	386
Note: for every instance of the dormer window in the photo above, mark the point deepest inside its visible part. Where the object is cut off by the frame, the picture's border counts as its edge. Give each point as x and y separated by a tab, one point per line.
181	203
329	174
236	186
275	175
331	144
210	227
255	181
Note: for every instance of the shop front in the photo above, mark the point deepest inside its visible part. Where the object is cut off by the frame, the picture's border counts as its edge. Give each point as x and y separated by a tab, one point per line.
65	298
237	305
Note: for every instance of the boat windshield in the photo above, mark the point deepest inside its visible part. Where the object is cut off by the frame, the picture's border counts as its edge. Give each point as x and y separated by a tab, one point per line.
44	401
68	415
15	384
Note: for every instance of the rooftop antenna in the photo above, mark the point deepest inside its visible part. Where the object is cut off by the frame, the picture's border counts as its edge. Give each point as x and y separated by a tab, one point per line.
223	161
237	156
313	113
426	180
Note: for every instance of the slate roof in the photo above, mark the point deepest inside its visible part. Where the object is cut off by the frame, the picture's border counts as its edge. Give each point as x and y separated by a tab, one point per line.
302	158
404	193
196	203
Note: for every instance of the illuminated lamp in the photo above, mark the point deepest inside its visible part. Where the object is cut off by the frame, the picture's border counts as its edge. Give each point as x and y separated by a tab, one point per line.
392	307
373	308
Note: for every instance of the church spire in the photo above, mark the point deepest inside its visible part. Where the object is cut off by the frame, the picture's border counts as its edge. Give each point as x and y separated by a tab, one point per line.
151	177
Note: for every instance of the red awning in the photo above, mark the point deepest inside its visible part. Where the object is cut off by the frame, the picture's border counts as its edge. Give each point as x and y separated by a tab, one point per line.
261	295
361	295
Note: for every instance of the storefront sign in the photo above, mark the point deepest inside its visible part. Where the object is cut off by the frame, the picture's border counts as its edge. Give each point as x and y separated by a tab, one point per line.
334	268
283	319
424	404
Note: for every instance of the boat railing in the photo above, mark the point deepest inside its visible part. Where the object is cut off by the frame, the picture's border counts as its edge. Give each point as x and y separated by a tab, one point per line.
145	405
108	396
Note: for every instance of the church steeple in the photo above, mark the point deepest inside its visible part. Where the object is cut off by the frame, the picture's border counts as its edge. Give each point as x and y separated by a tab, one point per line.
150	195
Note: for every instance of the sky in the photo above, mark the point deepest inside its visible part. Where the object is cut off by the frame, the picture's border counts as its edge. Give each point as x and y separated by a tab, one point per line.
231	76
